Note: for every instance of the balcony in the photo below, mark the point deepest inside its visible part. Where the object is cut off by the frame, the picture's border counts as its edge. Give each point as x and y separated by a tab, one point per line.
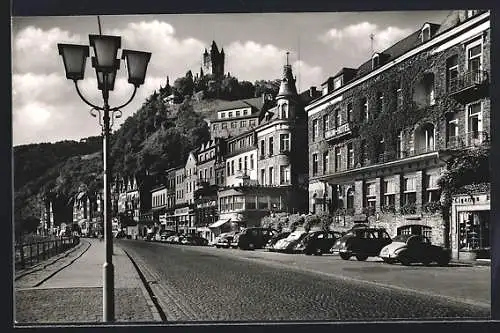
468	85
470	139
338	132
242	174
202	182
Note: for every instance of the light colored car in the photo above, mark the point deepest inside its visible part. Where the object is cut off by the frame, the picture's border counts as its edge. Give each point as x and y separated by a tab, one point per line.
287	244
408	249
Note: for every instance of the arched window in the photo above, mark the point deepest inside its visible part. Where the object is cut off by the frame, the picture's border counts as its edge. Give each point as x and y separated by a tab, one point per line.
284	110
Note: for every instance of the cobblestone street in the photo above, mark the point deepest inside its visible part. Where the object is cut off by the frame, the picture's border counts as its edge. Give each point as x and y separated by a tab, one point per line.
199	284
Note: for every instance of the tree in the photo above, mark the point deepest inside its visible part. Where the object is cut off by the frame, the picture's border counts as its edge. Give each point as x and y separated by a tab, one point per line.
267	86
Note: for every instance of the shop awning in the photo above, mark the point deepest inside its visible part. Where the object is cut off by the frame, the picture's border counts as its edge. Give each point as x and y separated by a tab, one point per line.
219	223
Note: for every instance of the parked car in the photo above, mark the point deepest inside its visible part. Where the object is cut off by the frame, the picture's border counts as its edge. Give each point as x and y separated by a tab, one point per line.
225	240
317	242
361	242
174	239
408	249
288	244
271	242
253	238
193	240
165	234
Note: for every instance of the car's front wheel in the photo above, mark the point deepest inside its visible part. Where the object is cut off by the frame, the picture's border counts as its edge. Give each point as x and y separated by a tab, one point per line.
361	257
345	256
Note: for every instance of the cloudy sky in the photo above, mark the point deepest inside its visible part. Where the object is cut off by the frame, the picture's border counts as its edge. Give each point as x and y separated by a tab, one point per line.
46	107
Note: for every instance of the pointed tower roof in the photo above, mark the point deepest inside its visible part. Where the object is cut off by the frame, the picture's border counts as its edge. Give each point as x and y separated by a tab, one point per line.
287	86
206	52
214	47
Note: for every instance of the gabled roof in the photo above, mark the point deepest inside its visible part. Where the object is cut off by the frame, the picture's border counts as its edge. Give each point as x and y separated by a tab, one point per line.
256	103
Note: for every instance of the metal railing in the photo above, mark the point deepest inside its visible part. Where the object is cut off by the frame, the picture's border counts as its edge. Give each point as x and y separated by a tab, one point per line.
467	140
31	253
467	80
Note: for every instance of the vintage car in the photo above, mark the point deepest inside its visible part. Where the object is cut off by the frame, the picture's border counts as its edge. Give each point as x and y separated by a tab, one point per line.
361	242
253	238
408	249
276	238
288	244
317	242
224	240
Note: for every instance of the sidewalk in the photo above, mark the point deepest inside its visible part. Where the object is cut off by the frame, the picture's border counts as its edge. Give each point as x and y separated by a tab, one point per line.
74	293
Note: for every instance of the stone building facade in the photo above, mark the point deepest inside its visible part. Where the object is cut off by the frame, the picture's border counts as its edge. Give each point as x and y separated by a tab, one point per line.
380	134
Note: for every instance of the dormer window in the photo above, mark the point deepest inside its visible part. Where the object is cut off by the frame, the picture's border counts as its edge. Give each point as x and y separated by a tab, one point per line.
337	83
284	110
426	33
375	61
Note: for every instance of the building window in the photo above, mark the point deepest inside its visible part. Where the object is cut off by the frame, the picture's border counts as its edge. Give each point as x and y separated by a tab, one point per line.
426	34
389	189
474	123
232	167
206	174
245	112
223	115
338	159
251	122
315	130
211	172
350	199
246	163
201	174
349	112
242	143
326	162
474	229
237	113
380	102
243	123
262	148
284	142
233	124
370	196
338	118
399	95
215	127
474	63
326	124
432	188
399	145
230	114
271	146
337	83
240	166
251	162
315	165
271	175
410	194
452	72
284	111
452	130
284	174
364	114
224	125
350	156
263	176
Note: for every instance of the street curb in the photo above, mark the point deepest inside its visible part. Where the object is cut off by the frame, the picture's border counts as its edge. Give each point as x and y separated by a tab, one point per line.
49	262
155	308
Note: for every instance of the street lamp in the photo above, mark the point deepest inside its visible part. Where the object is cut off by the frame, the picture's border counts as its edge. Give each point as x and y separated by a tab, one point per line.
106	64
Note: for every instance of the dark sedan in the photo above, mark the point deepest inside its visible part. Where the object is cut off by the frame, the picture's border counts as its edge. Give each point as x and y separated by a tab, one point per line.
408	249
253	238
362	243
317	242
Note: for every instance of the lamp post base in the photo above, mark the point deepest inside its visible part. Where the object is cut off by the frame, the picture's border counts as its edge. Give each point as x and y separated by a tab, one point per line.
108	306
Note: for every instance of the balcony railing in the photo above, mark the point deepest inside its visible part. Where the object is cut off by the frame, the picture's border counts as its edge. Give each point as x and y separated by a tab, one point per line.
467	80
467	140
338	131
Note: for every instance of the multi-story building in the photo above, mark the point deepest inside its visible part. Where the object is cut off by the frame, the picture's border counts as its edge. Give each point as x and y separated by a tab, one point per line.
206	193
191	185
171	200
236	117
266	167
380	133
181	212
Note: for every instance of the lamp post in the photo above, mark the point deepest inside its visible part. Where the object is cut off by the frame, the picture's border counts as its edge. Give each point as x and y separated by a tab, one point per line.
106	64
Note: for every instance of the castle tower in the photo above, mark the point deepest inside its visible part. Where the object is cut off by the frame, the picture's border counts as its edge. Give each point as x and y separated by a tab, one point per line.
213	62
287	97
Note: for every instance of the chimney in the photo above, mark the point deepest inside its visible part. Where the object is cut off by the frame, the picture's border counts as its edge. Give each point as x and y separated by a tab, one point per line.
312	92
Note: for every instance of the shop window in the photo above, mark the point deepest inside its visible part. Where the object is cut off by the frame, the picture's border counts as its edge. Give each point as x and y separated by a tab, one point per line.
474	230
